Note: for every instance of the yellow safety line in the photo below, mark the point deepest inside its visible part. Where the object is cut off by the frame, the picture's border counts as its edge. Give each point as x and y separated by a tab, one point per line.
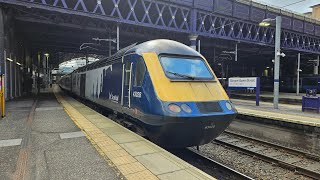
114	154
2	98
281	117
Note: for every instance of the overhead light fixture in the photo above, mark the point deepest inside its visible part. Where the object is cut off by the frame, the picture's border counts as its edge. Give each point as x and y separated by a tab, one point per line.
19	64
9	59
46	54
266	22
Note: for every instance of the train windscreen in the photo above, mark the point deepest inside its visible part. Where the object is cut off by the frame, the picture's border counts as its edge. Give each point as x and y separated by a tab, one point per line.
180	68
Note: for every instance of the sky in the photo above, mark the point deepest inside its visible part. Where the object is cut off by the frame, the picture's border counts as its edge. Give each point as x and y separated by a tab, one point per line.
300	7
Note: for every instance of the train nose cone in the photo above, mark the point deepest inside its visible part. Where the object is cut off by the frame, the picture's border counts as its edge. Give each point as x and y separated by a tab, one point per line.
188	132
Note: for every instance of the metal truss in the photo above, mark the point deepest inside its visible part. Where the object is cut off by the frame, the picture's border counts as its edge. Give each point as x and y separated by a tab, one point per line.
213	25
178	16
104	28
151	13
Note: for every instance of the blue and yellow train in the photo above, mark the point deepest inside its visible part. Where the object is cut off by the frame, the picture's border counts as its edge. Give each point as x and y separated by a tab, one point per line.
163	87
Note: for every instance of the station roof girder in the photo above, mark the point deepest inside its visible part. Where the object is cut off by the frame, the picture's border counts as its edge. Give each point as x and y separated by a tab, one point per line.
194	16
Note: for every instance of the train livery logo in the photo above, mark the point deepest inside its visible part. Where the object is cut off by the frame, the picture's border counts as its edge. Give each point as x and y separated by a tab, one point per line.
114	98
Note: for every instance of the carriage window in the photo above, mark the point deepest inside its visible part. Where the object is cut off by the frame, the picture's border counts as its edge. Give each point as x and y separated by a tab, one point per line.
140	70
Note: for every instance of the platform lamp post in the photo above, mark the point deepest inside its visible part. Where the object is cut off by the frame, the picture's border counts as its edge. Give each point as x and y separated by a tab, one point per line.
298	75
47	69
277	54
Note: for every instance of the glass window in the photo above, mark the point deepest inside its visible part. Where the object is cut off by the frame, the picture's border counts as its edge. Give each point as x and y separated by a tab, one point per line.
185	68
140	70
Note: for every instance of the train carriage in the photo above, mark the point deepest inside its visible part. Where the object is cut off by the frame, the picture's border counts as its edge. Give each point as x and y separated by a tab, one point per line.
163	87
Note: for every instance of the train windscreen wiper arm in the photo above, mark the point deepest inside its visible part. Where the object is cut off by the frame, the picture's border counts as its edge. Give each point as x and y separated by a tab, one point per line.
181	75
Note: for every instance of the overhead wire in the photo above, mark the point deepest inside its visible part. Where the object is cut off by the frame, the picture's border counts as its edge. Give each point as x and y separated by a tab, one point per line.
293	3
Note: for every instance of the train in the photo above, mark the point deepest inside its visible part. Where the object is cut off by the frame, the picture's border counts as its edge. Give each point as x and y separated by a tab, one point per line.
162	88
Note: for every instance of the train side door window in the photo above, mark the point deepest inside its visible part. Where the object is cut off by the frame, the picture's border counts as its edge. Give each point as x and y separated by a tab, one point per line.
139	72
127	73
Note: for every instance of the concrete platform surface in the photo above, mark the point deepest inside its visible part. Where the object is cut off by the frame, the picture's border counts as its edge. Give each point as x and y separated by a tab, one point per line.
134	156
286	112
31	146
266	94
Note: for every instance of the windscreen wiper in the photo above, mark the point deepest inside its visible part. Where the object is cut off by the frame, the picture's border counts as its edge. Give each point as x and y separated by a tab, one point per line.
181	75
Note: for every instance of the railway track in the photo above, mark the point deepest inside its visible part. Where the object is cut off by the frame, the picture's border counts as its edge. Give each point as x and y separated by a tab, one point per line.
295	160
210	166
229	140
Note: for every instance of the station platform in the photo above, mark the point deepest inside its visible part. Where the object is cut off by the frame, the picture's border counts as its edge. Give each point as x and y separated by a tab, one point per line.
286	113
56	137
38	140
286	98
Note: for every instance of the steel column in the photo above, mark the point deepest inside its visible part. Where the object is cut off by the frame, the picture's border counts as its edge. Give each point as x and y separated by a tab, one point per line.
19	80
118	37
38	75
316	67
298	75
15	76
193	41
44	71
236	53
47	72
277	63
11	79
109	46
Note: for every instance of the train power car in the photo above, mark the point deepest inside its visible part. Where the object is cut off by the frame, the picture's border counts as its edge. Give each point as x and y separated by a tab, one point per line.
163	87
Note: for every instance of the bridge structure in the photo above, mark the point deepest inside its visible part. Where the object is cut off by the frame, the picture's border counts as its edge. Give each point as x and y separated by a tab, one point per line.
29	28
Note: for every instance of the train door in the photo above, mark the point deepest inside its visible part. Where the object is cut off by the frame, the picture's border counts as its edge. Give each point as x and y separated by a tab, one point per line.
127	80
134	70
82	85
137	82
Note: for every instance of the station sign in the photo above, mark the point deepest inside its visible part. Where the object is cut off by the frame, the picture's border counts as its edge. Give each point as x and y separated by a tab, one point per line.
243	82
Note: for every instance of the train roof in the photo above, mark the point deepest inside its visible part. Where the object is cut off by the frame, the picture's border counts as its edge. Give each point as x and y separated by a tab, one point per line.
159	46
164	46
115	57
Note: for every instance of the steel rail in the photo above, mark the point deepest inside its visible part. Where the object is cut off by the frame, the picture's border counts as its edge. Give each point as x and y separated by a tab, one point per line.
291	150
211	162
269	159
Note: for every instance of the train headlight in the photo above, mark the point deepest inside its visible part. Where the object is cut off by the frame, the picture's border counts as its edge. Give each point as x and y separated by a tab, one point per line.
174	108
186	108
229	106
